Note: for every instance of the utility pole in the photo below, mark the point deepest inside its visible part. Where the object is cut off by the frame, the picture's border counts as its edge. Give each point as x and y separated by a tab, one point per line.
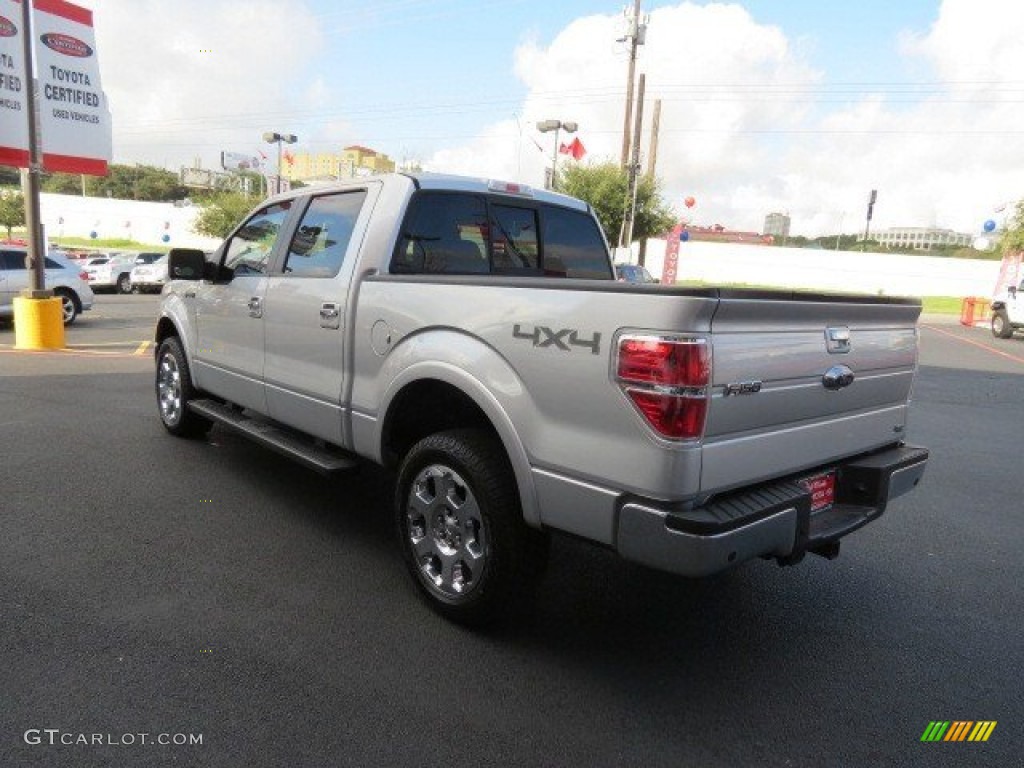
652	155
634	170
867	222
652	159
635	37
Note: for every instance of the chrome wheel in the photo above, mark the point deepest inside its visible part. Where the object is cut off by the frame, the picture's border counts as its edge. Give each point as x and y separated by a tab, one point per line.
446	531
168	387
124	284
68	309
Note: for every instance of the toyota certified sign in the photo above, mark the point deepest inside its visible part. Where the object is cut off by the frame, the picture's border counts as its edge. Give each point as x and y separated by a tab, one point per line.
66	44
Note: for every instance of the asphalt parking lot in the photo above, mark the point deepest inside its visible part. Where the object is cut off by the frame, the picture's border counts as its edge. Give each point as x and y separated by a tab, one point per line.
150	585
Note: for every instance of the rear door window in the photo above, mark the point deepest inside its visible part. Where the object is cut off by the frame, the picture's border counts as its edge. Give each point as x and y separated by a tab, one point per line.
443	233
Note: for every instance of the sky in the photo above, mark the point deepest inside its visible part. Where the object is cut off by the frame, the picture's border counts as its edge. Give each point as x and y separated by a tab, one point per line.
766	105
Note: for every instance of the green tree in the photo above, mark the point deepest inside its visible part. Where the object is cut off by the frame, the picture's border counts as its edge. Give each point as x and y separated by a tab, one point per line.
124	182
62	183
222	213
12	210
1013	238
605	187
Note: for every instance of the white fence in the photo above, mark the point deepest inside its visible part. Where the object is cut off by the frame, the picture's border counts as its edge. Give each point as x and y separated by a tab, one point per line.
874	273
828	270
151	223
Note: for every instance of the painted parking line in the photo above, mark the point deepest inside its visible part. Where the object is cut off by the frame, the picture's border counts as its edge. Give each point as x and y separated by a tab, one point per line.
973	343
82	350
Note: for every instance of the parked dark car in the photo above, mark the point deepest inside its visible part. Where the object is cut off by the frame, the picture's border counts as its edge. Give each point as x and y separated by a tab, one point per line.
633	273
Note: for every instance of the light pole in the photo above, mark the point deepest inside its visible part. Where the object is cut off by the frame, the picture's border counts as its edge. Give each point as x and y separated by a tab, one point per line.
544	126
272	137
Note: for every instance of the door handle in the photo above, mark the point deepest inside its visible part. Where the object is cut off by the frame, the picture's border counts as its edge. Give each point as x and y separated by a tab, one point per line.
255	307
330	315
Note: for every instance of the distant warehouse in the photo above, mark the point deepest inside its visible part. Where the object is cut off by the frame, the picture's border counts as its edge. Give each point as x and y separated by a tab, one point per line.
921	238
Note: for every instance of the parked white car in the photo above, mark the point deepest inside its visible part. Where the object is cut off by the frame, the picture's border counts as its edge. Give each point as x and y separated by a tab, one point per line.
149	277
111	272
66	279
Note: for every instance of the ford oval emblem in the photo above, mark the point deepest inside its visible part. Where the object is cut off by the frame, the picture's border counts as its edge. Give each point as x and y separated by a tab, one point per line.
837	377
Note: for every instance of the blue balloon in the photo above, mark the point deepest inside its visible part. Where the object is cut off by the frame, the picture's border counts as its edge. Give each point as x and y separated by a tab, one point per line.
684	236
989	225
166	238
93	234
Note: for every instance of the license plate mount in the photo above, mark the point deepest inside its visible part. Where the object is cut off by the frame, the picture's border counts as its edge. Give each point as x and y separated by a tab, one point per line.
822	488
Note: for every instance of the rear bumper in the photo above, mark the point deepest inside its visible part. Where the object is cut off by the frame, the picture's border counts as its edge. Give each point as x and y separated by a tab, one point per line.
772	520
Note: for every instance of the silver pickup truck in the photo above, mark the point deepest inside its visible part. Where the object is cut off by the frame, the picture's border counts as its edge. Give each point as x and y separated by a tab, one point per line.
470	334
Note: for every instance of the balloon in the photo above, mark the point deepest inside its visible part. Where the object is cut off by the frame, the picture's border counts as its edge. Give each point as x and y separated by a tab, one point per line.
93	234
684	236
989	225
166	238
690	202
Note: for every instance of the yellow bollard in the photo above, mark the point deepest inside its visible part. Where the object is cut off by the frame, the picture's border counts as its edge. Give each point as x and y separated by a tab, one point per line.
38	323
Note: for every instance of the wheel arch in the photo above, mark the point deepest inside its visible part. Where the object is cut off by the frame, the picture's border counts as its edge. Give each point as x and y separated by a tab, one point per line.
434	397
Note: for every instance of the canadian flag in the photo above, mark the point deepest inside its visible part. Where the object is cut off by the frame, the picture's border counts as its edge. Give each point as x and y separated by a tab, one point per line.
574	148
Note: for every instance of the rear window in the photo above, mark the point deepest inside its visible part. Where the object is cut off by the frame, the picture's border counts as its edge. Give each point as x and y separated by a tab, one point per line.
12	259
463	233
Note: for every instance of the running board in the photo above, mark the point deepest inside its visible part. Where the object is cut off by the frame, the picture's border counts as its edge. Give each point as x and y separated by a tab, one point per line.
315	455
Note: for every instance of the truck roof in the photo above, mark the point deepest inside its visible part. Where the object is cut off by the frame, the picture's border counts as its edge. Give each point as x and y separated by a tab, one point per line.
446	181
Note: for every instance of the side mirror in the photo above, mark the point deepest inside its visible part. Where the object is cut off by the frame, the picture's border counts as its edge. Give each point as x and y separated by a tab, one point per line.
1012	290
185	264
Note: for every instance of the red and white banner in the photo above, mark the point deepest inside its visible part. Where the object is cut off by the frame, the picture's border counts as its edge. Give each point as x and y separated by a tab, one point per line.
13	104
670	268
74	121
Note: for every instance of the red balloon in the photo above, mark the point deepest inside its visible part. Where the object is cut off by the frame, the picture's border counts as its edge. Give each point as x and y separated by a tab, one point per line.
690	202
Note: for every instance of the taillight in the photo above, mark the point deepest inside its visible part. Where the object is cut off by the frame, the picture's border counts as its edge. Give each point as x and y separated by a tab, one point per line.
666	378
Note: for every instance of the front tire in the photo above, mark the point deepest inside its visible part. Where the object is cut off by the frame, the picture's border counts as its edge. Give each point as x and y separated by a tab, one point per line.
174	390
461	528
1001	327
124	284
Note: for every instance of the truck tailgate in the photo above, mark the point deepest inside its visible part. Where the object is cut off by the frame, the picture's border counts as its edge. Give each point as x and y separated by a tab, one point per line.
799	381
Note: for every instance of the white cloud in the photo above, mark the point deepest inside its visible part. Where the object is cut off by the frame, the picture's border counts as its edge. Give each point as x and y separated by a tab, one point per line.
746	130
192	77
748	121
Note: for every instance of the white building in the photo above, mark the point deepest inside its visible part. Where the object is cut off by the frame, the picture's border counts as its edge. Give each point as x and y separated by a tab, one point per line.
921	238
777	224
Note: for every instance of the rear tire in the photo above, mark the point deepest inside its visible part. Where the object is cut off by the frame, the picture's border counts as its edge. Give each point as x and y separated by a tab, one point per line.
1001	327
70	307
461	529
174	390
124	284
